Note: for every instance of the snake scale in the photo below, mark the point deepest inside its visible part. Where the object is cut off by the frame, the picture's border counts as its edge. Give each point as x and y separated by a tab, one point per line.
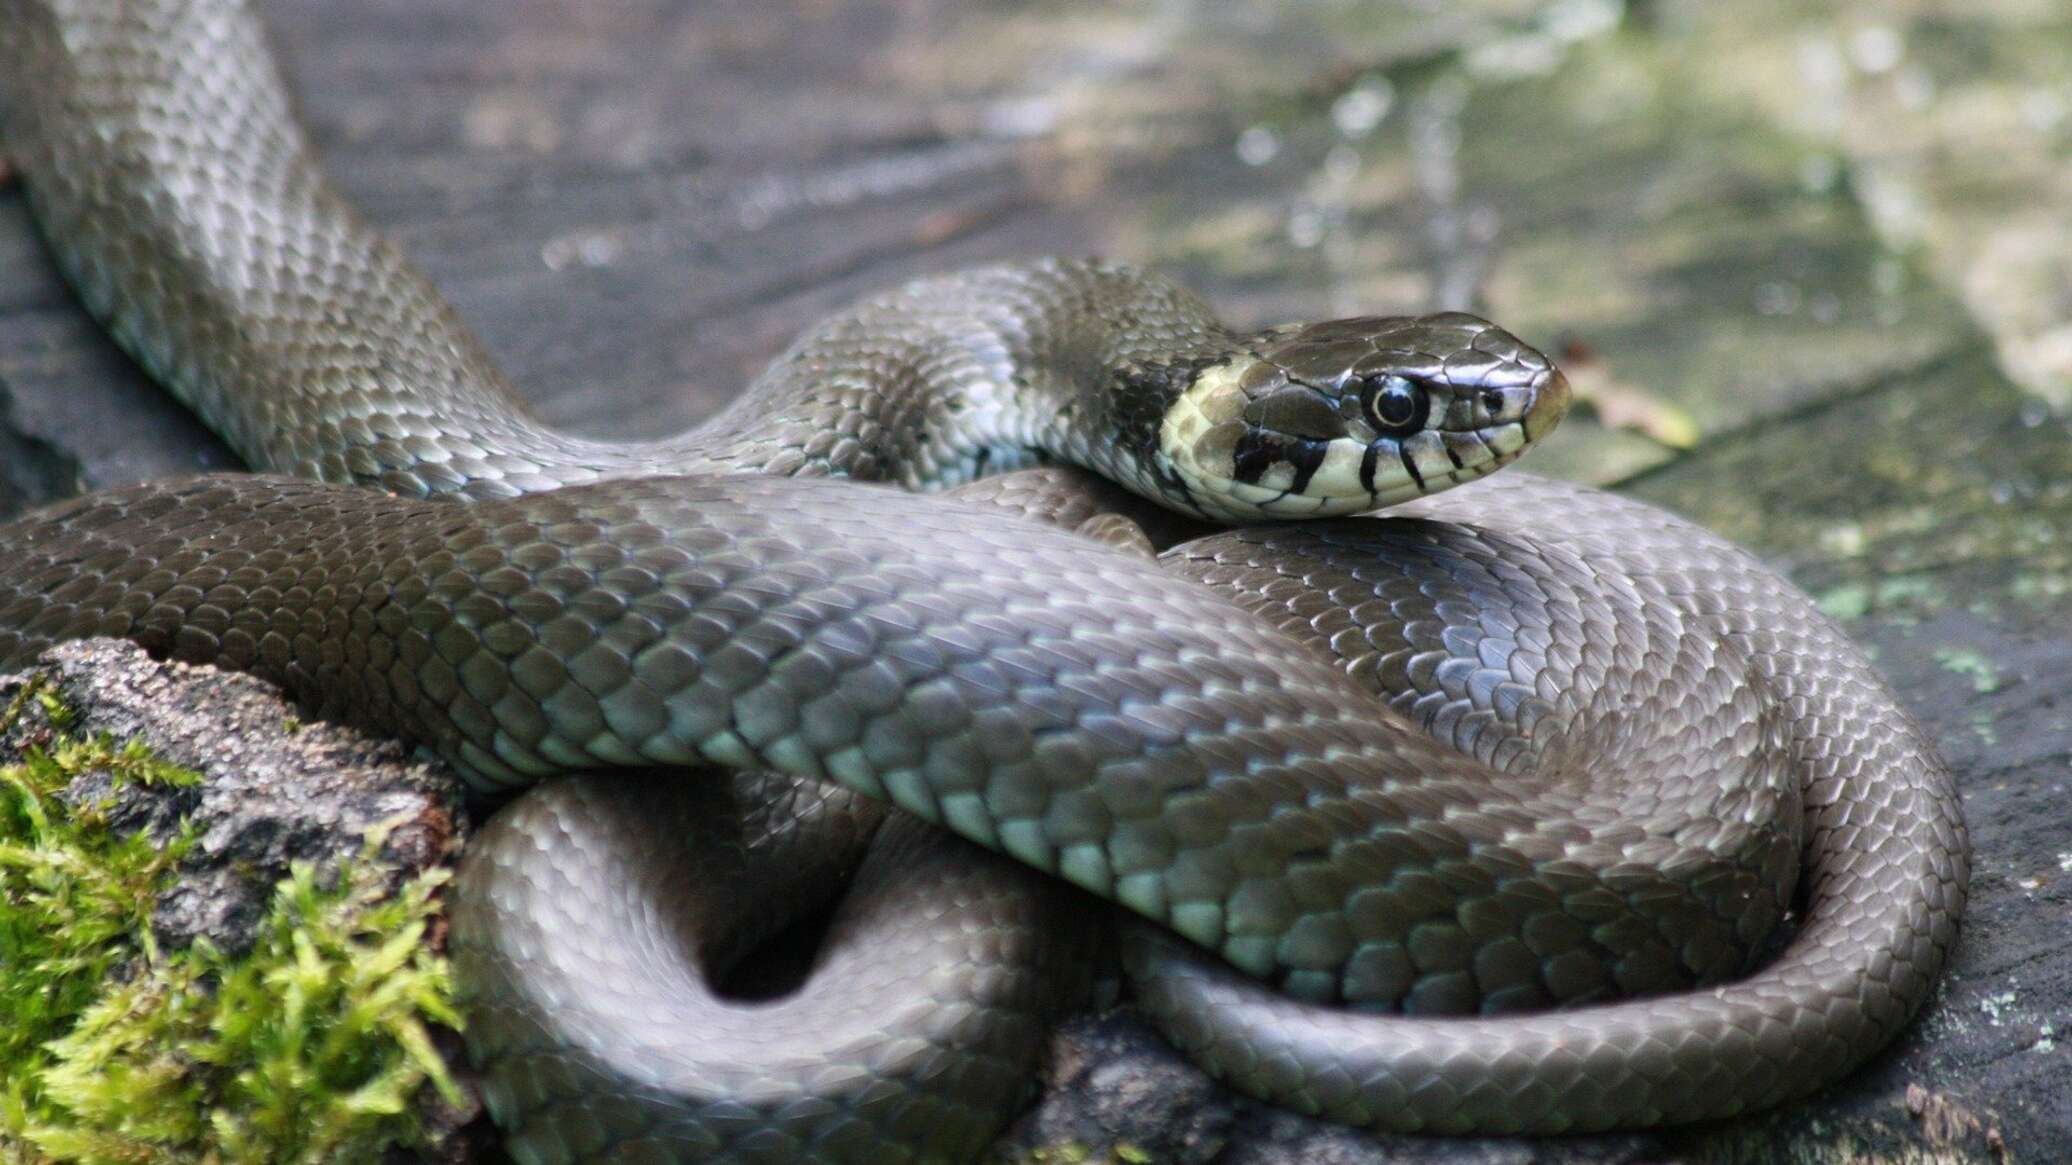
1520	749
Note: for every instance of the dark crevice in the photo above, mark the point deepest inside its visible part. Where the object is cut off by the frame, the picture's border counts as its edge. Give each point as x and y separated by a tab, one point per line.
780	965
32	470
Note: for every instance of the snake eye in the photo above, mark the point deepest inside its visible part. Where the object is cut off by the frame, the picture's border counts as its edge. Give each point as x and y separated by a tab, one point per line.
1396	406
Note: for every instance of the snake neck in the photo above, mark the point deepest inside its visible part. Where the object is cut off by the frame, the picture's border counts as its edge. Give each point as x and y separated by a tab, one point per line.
956	377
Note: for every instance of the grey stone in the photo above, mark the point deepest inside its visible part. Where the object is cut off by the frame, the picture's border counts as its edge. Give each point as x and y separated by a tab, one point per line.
274	790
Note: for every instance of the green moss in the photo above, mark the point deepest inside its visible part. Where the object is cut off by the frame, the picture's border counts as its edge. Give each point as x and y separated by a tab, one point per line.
312	1047
1066	1153
1985	678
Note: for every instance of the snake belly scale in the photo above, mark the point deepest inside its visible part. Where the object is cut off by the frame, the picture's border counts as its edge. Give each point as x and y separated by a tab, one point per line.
1518	746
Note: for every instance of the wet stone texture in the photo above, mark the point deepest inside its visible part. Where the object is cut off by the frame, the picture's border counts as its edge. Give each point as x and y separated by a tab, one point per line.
1803	262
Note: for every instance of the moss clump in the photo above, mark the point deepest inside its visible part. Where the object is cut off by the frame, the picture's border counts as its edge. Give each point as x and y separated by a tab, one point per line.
311	1047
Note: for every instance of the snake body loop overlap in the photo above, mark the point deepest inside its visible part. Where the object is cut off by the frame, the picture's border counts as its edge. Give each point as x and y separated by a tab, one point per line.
1522	745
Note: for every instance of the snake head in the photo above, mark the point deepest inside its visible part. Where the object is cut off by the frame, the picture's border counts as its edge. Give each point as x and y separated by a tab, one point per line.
1351	415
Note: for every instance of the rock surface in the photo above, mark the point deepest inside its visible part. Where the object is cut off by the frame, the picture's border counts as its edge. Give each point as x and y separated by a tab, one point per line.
1800	260
275	790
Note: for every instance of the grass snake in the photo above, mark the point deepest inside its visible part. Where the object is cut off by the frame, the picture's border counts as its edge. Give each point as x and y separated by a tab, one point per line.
1521	749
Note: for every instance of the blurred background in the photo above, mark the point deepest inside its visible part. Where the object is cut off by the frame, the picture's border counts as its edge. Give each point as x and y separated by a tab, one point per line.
1807	265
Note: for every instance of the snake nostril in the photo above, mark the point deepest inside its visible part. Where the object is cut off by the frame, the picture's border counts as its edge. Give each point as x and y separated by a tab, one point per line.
1493	401
1550	403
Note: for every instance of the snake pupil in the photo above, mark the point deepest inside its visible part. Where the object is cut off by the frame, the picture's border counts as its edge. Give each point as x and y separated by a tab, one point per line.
1396	405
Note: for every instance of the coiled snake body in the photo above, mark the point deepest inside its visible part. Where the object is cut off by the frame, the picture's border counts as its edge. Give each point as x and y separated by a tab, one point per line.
1521	745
